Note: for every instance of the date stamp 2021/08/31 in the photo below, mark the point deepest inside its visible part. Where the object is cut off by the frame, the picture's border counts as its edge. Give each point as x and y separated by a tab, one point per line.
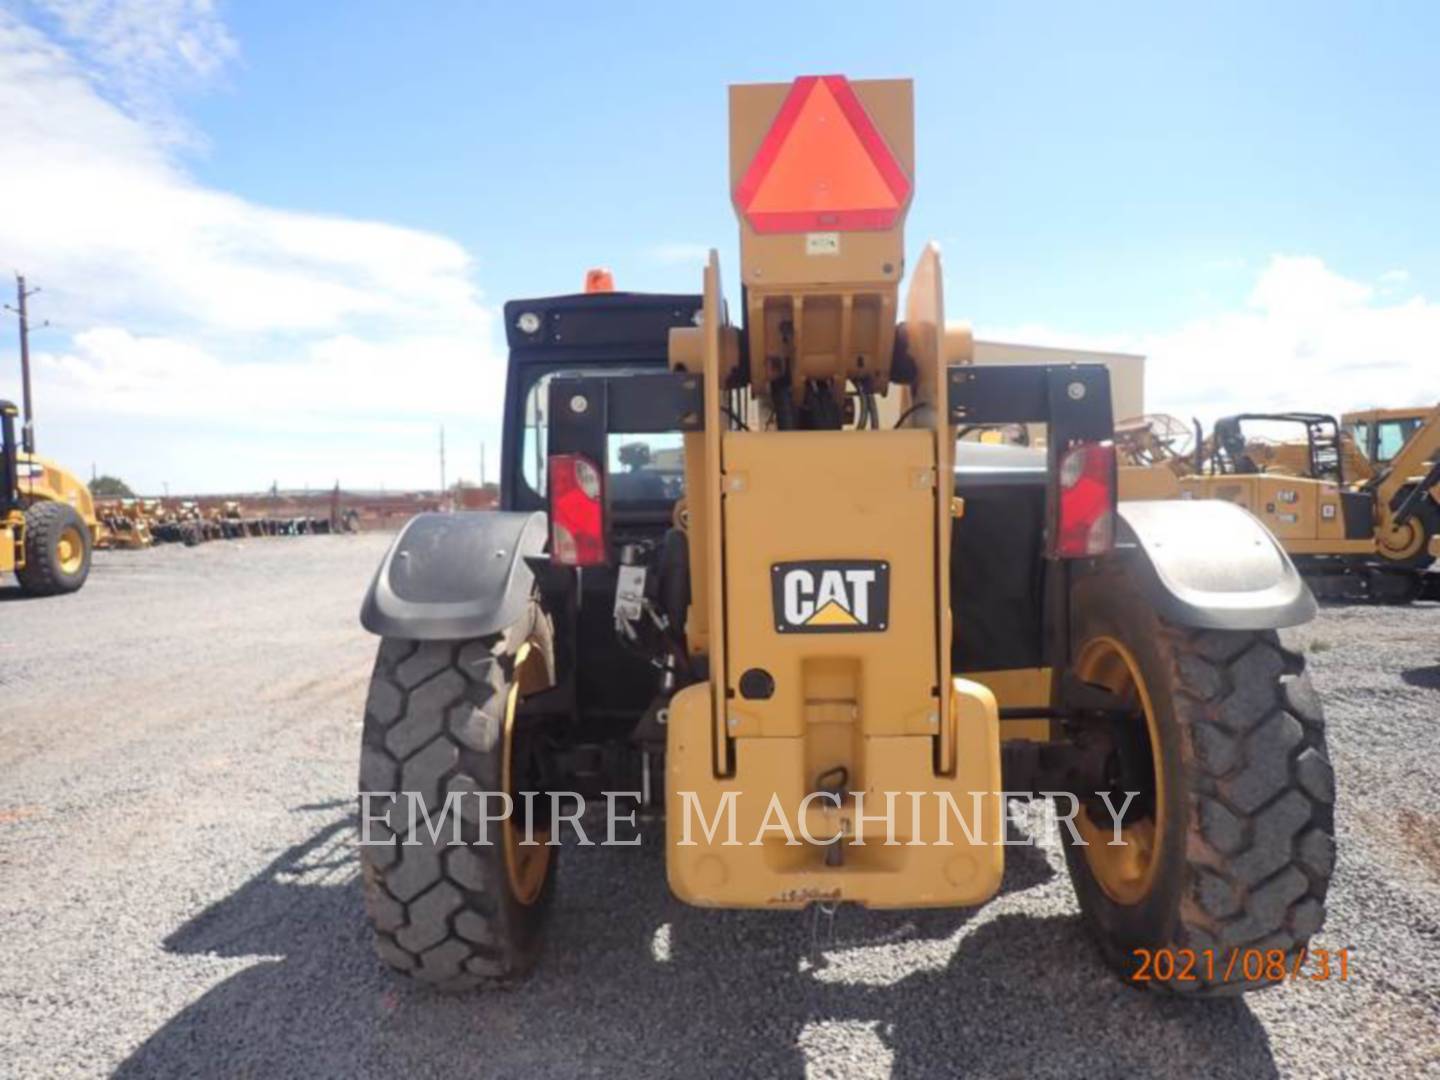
1252	965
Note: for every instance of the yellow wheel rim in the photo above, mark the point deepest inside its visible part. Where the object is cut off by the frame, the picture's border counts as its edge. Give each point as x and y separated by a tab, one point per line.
1125	871
70	551
1403	543
526	864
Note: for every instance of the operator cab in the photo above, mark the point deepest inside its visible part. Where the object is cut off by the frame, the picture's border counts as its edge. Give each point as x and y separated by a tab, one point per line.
596	333
9	474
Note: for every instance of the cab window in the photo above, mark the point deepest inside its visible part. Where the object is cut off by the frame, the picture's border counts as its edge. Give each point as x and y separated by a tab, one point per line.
1361	434
646	468
1392	435
533	445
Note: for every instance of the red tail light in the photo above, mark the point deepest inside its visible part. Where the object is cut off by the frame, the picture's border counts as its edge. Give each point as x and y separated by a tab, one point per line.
1085	524
577	511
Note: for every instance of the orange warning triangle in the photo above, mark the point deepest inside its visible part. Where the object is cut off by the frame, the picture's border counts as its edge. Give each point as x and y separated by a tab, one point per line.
832	614
822	166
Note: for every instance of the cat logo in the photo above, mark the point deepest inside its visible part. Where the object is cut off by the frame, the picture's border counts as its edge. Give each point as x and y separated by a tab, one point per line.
839	597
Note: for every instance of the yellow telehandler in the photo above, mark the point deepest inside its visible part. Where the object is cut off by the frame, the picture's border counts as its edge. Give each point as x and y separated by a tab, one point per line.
831	651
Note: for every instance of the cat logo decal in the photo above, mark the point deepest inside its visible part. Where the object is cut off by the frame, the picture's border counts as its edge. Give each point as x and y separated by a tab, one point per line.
831	597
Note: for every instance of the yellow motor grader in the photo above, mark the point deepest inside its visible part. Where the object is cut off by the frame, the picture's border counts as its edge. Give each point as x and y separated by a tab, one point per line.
48	526
831	651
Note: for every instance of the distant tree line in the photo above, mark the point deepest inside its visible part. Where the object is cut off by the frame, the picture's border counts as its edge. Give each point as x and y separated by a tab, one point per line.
110	487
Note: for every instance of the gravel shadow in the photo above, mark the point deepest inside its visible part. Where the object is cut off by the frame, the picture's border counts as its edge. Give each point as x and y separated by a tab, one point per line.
635	983
1426	678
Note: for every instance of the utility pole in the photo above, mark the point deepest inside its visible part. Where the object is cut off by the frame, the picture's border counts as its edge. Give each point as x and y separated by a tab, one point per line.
442	461
27	440
482	464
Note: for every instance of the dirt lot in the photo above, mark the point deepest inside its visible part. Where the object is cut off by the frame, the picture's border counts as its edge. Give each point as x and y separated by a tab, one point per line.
178	886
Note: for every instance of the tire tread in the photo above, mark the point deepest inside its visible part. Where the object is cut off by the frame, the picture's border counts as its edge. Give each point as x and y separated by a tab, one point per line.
433	723
1261	848
41	575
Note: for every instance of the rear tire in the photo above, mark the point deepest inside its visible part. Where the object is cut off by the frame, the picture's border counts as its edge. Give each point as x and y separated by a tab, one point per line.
439	721
57	550
1243	841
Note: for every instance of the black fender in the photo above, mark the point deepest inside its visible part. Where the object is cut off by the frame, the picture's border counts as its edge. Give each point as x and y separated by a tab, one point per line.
1210	564
448	577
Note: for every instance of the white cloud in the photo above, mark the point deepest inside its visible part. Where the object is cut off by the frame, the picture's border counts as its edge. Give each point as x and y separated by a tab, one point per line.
1307	337
339	382
215	343
180	303
143	50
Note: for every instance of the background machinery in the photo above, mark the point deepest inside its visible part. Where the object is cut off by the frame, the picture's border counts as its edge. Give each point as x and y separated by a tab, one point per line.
1354	528
125	523
785	610
1381	435
1400	465
47	519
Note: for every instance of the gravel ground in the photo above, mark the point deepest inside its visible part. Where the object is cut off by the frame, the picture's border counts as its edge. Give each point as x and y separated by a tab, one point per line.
178	885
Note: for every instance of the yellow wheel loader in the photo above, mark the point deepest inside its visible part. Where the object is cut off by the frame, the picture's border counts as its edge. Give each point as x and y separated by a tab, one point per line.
1400	449
48	526
1371	537
832	653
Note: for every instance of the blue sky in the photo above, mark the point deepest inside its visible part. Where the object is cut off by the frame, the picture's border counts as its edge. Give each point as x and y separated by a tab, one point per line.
1071	162
328	202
